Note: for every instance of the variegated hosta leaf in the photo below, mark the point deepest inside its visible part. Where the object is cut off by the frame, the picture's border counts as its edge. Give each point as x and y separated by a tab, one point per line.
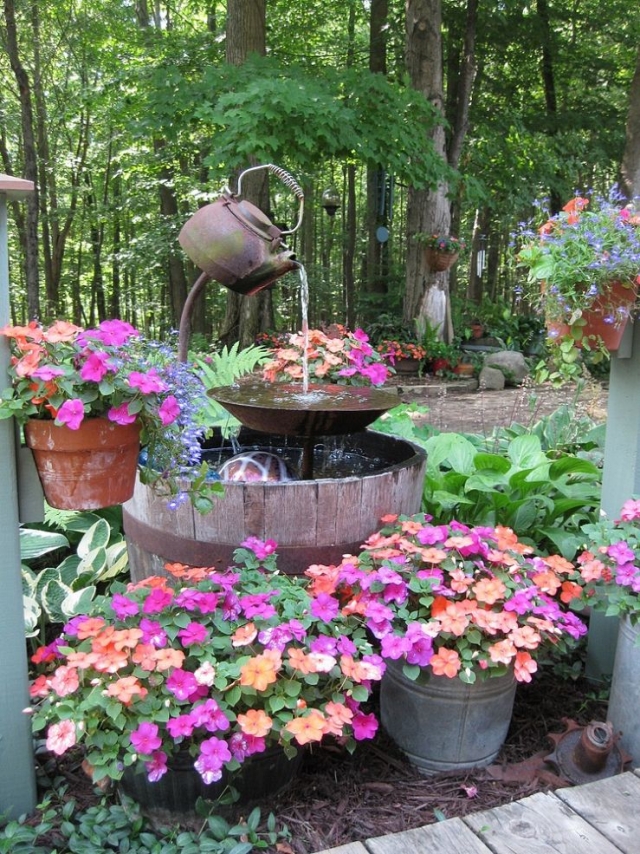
32	612
35	544
52	597
79	602
96	537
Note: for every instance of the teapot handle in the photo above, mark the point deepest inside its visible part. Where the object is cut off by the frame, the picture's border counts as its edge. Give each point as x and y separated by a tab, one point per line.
288	180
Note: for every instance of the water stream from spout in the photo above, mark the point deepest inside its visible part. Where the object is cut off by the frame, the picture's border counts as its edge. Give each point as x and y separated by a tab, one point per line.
304	310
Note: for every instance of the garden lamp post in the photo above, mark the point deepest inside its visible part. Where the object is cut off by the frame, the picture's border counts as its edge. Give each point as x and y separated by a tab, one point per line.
17	783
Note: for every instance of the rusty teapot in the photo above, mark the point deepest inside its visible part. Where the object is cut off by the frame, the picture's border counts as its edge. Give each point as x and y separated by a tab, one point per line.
236	244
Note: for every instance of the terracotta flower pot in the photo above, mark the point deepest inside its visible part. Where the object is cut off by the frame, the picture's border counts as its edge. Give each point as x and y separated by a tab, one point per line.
407	366
606	320
85	469
440	261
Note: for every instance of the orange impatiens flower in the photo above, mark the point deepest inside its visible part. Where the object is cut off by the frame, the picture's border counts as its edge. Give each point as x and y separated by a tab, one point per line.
446	662
570	591
90	627
489	590
558	564
301	661
125	689
309	728
244	635
524	666
255	722
502	652
261	670
168	658
507	539
61	330
547	581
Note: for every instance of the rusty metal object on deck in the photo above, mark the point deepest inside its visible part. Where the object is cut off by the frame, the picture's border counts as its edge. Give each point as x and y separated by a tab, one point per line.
583	754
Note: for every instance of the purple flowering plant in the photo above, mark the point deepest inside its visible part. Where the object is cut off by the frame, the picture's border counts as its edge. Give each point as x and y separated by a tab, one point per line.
454	600
221	665
572	261
66	374
607	574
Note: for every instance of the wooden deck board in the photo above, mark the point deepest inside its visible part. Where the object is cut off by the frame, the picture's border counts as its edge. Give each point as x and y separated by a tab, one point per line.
596	818
612	806
446	837
539	824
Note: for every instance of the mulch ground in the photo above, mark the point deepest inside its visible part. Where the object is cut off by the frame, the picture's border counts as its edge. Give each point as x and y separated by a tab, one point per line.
338	798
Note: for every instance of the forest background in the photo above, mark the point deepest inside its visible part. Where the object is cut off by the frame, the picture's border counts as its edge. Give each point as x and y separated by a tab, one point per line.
426	116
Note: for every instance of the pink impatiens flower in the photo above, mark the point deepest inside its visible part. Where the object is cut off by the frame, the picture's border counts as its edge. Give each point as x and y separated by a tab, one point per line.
121	415
71	413
61	737
169	410
145	738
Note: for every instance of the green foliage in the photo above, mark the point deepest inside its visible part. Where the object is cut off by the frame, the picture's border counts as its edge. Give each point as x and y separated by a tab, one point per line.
283	114
223	368
53	594
544	481
110	826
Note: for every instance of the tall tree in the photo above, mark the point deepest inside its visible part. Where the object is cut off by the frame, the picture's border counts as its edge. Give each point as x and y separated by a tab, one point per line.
630	169
30	158
246	34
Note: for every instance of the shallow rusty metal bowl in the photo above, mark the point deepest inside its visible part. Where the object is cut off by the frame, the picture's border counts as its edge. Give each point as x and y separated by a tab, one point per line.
325	410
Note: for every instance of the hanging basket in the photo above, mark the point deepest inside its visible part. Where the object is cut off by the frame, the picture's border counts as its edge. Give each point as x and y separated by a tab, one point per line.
88	468
440	261
605	320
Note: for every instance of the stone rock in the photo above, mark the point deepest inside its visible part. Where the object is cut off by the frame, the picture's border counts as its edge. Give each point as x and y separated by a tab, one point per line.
491	379
512	364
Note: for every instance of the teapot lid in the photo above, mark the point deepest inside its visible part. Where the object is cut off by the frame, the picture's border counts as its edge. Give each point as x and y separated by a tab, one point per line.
254	218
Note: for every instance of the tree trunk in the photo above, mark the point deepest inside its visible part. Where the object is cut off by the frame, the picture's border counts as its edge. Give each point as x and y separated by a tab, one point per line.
427	210
377	257
630	169
549	85
30	160
246	33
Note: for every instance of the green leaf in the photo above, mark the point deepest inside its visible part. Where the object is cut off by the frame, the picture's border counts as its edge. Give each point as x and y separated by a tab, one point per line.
96	537
34	543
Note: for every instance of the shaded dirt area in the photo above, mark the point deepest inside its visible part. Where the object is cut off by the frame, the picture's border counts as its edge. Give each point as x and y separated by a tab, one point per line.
459	406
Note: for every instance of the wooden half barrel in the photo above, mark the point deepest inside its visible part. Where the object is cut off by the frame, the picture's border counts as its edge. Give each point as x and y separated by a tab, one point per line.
312	521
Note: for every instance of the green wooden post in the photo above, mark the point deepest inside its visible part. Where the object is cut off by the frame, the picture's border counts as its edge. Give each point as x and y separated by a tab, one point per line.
17	782
620	478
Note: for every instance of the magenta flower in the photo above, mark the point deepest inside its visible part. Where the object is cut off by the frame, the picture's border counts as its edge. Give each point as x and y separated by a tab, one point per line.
112	333
123	607
324	607
210	716
364	726
169	410
394	646
257	605
377	373
71	413
214	752
194	633
182	684
145	738
47	372
261	549
157	601
121	415
96	366
148	383
157	766
153	633
180	727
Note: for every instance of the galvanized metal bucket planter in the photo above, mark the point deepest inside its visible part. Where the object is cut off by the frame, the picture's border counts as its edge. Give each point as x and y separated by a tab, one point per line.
443	724
624	702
